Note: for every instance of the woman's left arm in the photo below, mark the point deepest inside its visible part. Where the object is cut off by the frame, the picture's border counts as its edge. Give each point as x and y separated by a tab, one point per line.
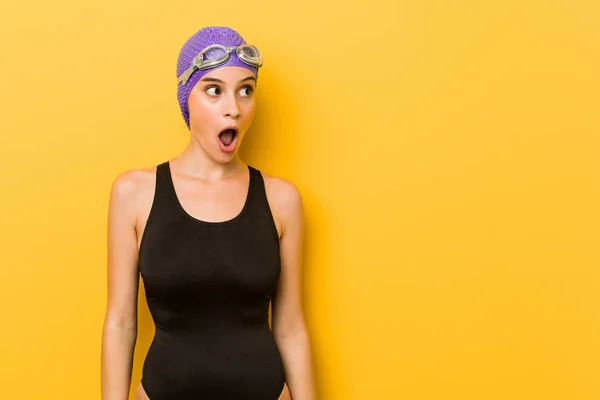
289	328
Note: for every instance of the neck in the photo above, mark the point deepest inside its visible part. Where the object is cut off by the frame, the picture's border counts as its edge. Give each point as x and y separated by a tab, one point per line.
195	163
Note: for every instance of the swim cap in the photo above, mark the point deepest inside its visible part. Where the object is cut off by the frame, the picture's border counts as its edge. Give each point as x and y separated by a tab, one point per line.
222	35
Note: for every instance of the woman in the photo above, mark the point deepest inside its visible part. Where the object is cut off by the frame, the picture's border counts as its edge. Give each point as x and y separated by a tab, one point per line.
216	242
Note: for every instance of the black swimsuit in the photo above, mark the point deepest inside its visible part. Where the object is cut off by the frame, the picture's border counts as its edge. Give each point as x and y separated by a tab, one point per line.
208	287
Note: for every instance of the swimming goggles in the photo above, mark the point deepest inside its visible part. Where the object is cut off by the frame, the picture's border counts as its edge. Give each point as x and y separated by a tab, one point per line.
216	54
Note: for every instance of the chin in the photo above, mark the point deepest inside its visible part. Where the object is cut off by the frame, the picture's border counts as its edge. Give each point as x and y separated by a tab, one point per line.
225	158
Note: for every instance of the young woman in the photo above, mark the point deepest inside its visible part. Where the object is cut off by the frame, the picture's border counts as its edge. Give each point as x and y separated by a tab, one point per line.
216	243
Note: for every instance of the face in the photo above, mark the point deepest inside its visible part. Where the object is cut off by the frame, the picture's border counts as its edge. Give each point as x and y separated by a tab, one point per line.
223	98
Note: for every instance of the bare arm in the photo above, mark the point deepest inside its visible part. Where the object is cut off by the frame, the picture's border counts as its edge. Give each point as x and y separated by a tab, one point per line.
288	320
120	324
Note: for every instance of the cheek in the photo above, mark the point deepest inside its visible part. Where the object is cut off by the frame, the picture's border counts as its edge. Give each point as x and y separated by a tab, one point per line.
201	112
250	108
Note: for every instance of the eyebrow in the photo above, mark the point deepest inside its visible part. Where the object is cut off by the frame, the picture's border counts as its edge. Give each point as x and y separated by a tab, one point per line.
209	79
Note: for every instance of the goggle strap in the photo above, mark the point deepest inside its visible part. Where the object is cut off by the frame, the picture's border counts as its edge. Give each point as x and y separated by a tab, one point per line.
186	75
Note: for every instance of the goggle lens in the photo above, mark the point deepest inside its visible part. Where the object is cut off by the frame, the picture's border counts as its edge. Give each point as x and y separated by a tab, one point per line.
215	53
250	51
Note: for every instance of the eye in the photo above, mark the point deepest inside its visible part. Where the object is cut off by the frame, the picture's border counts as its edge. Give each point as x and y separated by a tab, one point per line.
211	90
249	90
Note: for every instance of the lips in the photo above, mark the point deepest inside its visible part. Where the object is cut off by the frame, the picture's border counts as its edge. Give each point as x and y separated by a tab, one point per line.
227	135
227	138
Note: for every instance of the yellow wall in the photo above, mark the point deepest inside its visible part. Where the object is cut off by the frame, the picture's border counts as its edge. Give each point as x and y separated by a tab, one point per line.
448	156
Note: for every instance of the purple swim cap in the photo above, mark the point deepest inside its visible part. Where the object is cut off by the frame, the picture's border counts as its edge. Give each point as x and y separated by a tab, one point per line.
204	37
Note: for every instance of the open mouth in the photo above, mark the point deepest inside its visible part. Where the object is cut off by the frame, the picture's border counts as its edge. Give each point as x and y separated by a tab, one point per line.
227	136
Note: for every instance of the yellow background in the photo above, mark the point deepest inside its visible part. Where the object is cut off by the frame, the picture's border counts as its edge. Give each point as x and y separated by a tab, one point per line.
447	152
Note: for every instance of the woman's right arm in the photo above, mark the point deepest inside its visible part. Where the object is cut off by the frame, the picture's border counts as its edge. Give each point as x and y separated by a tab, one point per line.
120	324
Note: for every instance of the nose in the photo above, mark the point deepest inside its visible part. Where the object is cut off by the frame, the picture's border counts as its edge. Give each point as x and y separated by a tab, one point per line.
231	106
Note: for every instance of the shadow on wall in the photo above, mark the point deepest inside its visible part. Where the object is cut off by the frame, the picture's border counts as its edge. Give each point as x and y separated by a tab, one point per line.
268	142
144	339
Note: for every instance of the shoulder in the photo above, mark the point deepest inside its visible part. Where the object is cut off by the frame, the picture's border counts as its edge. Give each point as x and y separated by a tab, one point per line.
128	184
131	189
285	200
282	191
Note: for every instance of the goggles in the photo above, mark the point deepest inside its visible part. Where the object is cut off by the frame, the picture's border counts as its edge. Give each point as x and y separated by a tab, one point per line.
217	54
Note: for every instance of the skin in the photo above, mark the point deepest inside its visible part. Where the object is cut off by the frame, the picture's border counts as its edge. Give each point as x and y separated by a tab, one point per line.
211	185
